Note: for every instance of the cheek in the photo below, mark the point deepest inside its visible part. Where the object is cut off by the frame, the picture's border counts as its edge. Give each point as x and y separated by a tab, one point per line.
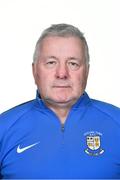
43	81
38	78
79	80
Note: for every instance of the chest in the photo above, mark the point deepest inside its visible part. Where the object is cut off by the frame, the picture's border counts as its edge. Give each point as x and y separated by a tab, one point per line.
81	148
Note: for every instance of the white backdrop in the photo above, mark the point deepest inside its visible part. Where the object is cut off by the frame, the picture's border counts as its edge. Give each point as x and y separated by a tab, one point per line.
21	22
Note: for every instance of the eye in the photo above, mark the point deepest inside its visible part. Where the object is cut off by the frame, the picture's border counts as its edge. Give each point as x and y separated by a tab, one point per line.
51	64
73	65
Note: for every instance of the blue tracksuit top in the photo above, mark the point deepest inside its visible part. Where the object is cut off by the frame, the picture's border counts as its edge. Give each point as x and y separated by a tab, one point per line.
34	144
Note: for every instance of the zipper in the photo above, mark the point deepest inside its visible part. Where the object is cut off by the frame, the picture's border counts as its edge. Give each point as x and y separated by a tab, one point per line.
62	133
62	128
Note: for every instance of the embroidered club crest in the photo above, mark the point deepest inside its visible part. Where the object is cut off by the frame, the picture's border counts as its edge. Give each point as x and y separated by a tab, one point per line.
93	142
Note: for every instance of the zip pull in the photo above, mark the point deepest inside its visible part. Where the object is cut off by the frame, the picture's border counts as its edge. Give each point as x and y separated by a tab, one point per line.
62	128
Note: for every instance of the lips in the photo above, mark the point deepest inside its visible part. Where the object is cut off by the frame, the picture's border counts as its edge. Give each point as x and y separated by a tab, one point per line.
61	86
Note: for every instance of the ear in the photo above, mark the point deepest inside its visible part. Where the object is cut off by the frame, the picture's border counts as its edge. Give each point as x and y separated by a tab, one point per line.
88	67
34	71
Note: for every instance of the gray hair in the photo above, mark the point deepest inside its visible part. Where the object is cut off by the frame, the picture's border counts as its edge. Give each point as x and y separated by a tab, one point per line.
61	30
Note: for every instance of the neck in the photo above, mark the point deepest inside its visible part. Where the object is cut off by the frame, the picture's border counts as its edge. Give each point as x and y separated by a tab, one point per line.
60	109
62	113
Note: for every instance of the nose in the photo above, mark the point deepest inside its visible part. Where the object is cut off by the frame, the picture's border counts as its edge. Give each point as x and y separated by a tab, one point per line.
62	71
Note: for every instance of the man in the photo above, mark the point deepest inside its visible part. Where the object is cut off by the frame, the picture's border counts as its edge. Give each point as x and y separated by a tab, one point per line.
62	133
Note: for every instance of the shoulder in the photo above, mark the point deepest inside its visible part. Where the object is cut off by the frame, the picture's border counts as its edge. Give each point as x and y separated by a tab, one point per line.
9	117
106	108
19	109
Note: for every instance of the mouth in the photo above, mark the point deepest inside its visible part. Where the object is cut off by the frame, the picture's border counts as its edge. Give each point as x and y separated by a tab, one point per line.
61	87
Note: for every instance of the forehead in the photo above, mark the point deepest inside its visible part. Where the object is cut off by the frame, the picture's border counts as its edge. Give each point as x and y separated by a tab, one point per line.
58	39
56	44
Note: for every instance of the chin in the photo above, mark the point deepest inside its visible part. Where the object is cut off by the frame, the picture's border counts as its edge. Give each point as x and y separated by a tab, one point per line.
62	101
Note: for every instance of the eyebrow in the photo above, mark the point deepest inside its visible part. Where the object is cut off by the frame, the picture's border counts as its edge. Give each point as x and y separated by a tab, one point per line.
52	57
74	58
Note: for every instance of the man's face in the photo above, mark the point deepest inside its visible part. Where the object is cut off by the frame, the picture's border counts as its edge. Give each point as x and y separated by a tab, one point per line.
61	71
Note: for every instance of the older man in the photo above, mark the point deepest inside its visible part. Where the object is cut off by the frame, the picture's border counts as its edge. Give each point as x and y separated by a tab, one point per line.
62	133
